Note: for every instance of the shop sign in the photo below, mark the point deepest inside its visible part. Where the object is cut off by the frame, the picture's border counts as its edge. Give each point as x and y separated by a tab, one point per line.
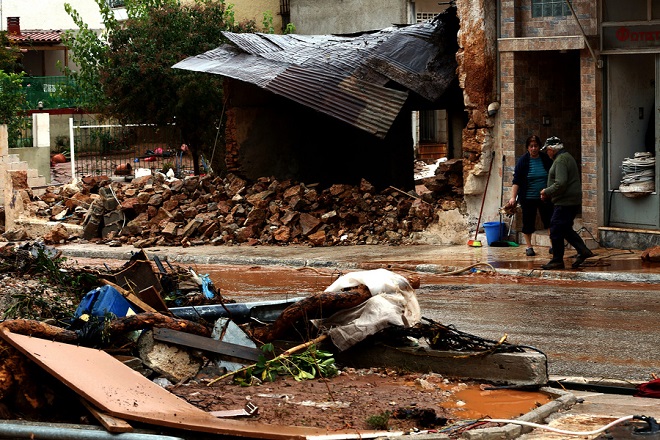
631	37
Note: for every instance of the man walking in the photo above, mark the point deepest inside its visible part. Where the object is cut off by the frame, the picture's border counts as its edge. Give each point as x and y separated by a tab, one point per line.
565	191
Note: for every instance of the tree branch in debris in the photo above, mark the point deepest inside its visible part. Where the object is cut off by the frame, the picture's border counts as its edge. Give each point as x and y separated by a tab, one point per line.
320	304
114	328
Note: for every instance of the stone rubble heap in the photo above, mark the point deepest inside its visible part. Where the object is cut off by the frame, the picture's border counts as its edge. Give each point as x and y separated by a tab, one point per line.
157	211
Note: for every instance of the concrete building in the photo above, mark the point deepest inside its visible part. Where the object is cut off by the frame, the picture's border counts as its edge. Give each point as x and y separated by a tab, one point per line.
39	33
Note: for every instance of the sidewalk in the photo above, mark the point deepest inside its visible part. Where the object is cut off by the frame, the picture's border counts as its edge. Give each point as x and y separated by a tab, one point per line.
608	264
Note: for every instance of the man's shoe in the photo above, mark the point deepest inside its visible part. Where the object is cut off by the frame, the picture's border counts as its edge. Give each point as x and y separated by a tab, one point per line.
530	252
553	265
581	257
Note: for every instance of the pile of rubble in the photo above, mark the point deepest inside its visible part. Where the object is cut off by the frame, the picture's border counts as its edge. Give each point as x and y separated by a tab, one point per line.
157	210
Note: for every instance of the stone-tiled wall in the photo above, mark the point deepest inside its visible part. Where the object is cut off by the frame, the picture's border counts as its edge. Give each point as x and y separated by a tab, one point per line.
517	20
552	73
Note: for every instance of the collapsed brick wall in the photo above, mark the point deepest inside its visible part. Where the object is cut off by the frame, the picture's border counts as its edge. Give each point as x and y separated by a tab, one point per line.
154	211
476	71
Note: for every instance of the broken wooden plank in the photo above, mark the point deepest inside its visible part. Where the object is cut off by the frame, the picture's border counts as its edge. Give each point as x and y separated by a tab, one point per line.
110	423
131	297
151	296
207	344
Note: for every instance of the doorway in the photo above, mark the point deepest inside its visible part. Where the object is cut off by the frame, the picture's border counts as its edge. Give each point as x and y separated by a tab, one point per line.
632	127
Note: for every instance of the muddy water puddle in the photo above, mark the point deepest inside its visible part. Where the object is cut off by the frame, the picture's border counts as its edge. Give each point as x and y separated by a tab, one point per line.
474	402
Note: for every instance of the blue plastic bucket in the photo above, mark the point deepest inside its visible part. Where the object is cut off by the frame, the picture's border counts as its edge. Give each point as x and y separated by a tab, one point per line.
494	231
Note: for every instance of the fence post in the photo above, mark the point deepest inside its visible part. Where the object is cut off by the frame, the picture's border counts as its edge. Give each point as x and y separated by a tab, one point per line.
74	179
4	158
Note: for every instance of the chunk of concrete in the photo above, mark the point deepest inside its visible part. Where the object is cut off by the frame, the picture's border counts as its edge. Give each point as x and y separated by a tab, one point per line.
173	362
519	369
226	330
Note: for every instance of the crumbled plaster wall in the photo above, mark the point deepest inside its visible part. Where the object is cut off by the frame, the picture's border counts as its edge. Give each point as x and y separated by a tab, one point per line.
477	40
449	228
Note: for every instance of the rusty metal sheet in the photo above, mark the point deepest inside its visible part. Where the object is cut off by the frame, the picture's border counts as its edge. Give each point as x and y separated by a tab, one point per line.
124	393
363	79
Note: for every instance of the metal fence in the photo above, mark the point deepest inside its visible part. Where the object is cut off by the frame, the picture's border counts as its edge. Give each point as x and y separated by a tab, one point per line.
23	136
120	150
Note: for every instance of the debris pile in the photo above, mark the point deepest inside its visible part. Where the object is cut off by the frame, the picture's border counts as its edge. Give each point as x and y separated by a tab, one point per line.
157	210
174	328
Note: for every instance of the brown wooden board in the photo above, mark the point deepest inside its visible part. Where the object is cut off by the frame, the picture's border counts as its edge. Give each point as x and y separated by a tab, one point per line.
137	276
207	344
121	392
151	296
110	423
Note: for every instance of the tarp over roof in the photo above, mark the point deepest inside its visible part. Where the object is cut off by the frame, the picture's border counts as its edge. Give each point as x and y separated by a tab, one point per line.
363	80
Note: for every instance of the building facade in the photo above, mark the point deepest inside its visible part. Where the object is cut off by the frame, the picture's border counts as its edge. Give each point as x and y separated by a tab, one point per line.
586	71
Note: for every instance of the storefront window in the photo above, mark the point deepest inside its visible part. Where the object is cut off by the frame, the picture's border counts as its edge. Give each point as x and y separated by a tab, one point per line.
550	8
630	10
631	25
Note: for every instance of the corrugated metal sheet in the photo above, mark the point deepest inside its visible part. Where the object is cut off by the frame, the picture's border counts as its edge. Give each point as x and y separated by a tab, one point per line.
346	77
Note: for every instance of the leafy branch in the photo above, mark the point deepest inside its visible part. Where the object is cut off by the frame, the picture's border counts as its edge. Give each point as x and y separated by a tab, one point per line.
307	365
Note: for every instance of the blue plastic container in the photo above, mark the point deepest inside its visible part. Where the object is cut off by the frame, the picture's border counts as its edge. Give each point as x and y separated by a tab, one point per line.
103	300
494	231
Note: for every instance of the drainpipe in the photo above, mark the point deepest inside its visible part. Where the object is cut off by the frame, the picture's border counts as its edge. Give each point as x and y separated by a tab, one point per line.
16	430
597	60
498	32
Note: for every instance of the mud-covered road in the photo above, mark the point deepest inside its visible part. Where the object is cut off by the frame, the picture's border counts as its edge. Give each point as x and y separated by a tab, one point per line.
590	329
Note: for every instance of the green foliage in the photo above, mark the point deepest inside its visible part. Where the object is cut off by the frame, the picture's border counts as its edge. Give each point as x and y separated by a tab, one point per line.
61	144
10	55
46	302
130	65
309	364
13	105
289	29
267	23
379	421
88	50
39	305
52	268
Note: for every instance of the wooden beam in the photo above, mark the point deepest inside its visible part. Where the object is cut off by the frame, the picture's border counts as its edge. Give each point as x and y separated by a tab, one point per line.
131	297
110	423
207	344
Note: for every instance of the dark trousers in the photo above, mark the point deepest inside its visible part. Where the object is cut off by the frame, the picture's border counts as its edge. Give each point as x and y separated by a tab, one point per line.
529	209
561	228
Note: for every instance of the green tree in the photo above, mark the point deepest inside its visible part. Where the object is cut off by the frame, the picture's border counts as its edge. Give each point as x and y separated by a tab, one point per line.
13	104
132	63
10	55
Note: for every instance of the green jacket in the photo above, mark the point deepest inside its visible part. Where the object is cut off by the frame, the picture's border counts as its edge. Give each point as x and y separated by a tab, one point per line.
564	181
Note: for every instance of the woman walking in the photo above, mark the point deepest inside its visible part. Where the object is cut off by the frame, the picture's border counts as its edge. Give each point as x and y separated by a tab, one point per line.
530	176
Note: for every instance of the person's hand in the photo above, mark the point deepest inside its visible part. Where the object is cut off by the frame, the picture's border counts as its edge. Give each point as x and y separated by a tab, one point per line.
511	203
544	196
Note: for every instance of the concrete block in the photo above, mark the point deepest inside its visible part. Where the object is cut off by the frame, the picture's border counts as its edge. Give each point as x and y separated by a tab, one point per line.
17	166
39	227
519	369
36	181
174	363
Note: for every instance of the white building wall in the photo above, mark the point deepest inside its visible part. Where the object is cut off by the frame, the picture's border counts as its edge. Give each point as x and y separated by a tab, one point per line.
313	17
49	14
